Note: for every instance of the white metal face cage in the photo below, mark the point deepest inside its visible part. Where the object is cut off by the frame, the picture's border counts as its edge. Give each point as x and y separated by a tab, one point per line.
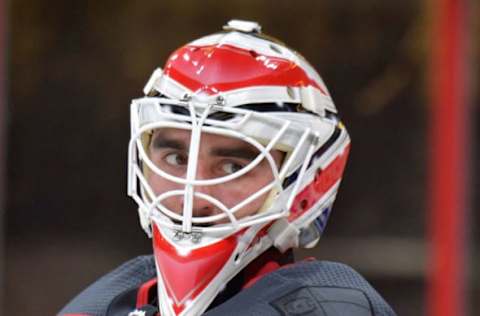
264	131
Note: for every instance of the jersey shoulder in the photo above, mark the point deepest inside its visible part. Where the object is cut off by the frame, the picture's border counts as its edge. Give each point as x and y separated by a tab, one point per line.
118	288
308	288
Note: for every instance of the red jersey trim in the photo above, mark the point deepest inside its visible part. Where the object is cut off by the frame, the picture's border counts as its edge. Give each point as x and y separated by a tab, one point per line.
143	292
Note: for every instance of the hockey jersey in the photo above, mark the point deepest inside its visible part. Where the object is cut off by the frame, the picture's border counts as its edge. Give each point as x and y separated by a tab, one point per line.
304	288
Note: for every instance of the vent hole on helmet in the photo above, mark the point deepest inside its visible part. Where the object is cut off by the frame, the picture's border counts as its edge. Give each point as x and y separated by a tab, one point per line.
275	49
303	204
236	258
253	53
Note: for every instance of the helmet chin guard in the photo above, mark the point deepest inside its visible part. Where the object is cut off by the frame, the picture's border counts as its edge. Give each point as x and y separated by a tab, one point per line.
235	148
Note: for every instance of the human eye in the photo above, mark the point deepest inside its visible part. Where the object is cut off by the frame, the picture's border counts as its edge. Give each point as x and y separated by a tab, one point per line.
230	167
176	159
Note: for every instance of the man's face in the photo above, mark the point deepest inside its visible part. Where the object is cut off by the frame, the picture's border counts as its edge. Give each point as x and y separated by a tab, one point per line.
218	156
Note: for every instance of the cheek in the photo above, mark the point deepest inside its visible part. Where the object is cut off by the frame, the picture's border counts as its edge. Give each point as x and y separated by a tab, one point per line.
160	185
251	208
250	186
156	183
234	193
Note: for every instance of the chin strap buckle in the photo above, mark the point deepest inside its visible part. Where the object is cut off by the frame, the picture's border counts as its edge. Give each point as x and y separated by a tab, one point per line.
284	235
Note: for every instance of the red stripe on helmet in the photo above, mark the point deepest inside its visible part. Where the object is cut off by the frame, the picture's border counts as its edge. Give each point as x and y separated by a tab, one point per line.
212	69
323	181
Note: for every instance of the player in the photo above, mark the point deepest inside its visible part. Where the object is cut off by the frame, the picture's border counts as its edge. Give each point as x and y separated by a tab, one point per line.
235	157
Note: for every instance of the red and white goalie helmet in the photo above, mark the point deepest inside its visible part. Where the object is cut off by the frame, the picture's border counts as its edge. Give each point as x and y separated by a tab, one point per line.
235	148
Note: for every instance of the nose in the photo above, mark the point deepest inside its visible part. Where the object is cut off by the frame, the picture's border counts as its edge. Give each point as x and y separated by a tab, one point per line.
202	207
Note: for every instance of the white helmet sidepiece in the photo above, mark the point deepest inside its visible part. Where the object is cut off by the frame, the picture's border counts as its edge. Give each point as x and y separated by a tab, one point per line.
235	148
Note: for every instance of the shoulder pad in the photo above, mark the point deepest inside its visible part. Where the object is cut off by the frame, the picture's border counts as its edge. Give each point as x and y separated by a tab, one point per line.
124	281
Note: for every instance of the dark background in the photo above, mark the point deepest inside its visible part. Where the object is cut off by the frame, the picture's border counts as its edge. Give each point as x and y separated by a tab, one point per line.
75	65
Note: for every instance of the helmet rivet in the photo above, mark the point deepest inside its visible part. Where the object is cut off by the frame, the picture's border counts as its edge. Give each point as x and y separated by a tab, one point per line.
220	100
196	237
178	235
186	97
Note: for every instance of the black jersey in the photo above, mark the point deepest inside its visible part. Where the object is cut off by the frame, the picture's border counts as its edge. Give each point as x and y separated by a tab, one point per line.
304	288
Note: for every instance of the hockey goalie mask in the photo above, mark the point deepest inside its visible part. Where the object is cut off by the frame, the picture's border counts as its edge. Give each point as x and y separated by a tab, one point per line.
235	148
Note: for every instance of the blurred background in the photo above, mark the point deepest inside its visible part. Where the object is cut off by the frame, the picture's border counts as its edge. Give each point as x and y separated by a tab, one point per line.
73	66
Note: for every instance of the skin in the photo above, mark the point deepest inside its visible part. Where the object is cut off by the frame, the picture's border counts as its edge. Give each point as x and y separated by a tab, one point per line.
218	157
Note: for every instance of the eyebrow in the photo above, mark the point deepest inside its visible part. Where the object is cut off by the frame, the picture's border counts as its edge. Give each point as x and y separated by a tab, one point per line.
238	151
242	152
163	142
